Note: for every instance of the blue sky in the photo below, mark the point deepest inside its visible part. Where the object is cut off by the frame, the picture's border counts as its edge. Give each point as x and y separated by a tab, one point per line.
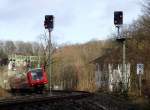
76	21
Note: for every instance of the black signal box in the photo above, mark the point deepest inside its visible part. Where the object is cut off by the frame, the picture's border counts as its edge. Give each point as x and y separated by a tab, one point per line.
118	17
49	22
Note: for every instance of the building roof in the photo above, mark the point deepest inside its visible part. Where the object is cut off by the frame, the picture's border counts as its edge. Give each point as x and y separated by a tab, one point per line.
110	56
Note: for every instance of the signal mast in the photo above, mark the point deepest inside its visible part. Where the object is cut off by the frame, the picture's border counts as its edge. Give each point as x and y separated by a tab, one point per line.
49	24
118	22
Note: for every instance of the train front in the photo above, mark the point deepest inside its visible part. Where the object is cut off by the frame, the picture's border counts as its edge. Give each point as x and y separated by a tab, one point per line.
37	78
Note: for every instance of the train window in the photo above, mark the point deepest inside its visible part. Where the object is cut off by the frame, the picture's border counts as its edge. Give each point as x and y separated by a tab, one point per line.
36	74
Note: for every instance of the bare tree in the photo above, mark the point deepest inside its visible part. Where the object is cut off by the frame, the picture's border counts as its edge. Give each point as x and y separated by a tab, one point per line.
10	47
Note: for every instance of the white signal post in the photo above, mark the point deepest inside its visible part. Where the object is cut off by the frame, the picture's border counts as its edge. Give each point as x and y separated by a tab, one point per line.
50	46
140	72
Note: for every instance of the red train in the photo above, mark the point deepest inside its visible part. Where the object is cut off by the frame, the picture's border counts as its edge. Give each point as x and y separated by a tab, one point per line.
34	80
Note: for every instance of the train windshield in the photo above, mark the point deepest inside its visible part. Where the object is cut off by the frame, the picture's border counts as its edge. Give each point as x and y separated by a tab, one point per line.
36	74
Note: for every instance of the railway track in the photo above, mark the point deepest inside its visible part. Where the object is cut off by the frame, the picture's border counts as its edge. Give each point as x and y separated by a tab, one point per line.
65	100
56	96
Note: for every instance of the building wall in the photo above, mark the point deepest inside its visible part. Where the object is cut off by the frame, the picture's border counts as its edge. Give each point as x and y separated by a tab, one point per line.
110	77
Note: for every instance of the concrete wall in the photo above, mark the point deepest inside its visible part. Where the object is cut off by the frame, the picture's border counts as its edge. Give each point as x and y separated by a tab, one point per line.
110	76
